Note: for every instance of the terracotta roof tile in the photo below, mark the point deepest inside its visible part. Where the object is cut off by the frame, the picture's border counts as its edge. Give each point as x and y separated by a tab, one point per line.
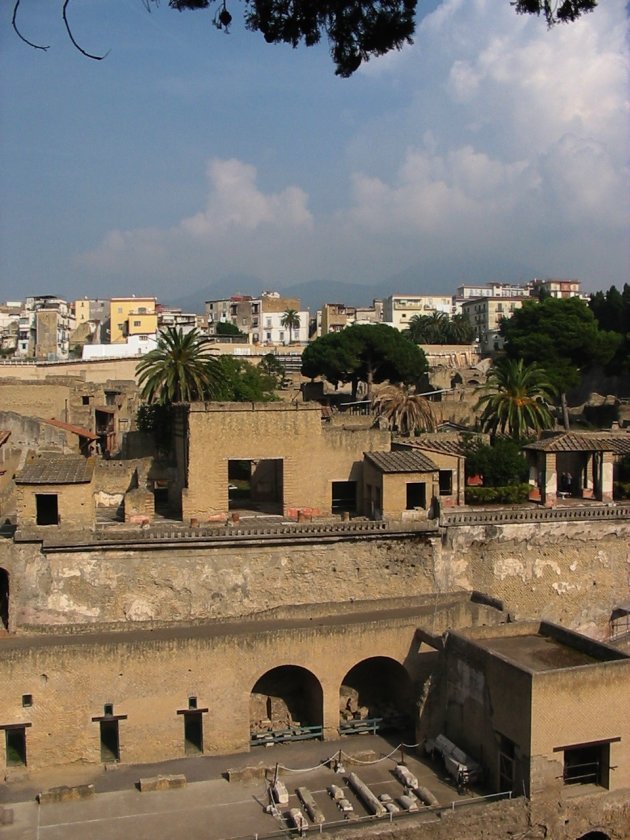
68	427
400	462
57	469
584	442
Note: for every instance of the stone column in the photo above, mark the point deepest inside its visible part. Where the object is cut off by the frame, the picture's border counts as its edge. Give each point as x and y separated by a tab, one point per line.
549	479
607	476
331	711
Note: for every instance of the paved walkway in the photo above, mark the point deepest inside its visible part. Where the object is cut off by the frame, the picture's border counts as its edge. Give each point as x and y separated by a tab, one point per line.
209	807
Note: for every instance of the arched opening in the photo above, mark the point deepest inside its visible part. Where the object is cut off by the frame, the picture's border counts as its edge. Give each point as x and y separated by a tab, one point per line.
4	599
594	835
287	703
376	695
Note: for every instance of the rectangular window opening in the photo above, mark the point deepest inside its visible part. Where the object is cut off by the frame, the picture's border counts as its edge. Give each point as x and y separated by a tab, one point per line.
27	701
416	495
587	764
47	508
344	497
446	482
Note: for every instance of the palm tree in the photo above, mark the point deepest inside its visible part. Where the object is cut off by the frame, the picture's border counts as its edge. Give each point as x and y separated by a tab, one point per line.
516	399
404	410
291	321
179	369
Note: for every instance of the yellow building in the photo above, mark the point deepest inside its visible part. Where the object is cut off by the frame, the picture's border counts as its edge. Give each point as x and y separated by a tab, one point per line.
132	316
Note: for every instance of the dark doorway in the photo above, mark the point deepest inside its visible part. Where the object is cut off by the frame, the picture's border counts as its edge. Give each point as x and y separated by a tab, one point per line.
416	495
4	599
344	497
193	732
47	508
507	752
16	746
110	743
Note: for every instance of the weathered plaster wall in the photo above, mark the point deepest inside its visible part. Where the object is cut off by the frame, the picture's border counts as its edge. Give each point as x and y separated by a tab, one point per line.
569	573
149	675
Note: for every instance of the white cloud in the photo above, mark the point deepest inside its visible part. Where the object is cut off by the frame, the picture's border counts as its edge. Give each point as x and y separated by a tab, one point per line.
511	143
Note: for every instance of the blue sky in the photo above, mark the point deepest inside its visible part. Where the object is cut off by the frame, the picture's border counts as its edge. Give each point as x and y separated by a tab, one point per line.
491	149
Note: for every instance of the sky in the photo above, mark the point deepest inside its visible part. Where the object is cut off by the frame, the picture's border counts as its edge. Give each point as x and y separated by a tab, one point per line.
492	149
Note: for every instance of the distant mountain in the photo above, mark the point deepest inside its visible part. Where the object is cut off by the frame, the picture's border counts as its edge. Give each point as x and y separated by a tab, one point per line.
312	294
429	277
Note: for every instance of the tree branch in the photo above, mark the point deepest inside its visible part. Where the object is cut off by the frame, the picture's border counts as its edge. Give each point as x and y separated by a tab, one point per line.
71	36
19	34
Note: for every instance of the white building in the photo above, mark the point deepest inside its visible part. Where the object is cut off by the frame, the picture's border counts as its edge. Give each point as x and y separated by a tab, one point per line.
398	310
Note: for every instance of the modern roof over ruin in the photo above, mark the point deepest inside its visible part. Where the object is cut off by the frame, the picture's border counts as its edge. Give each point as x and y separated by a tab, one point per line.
75	430
444	447
400	462
584	442
57	469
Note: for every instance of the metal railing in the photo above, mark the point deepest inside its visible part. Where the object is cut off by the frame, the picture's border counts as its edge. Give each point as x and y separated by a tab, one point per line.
284	736
515	515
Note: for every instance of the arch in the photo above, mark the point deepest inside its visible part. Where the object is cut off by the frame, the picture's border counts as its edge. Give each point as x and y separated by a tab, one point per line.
378	687
4	599
594	835
284	697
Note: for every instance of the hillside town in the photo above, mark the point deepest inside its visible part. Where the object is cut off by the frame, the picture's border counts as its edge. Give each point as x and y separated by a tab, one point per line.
374	526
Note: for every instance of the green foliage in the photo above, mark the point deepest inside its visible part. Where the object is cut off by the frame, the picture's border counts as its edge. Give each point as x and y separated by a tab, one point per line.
244	382
291	321
227	328
271	366
513	494
501	464
560	334
356	29
601	416
179	369
406	412
364	353
612	312
438	328
156	419
516	399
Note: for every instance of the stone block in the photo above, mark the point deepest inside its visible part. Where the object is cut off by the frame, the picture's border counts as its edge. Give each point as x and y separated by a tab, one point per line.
156	783
64	793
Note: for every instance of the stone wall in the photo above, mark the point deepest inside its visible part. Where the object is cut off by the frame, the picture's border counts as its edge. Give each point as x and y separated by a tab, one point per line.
291	435
571	573
148	676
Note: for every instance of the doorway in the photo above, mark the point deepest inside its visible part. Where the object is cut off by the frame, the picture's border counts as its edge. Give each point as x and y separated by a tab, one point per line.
110	742
4	599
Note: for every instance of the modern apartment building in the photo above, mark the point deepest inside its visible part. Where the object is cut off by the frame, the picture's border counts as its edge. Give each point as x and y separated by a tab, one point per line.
486	314
131	316
398	310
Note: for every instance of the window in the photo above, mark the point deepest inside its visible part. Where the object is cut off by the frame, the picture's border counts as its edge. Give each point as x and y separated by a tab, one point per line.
416	495
137	323
27	701
446	482
587	764
47	510
85	400
344	496
268	336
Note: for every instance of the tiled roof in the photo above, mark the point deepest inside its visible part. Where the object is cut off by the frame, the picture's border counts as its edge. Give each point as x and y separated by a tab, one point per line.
57	469
68	427
445	447
400	462
585	442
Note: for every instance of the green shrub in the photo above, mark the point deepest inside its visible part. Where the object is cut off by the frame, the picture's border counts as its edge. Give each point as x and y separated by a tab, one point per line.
512	494
621	490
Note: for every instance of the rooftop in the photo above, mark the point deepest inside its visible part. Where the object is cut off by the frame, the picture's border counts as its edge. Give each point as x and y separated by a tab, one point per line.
538	647
57	469
400	462
617	442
